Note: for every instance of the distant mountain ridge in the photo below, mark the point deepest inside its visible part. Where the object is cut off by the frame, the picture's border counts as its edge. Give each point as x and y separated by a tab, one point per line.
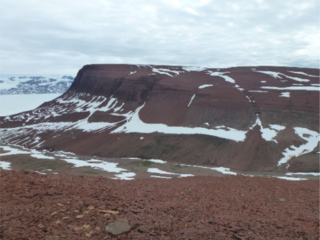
34	84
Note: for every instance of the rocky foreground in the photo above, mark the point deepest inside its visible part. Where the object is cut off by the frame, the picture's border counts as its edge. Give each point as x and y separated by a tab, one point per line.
35	206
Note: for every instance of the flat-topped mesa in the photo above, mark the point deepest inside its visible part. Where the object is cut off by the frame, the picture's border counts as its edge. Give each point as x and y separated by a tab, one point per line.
247	118
114	80
229	96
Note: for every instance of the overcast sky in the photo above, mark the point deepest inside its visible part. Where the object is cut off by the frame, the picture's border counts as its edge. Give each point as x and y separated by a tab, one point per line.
60	36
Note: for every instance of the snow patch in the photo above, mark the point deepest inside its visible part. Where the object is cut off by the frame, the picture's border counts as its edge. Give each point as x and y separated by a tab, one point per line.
304	74
5	165
221	74
292	178
12	151
306	88
158	171
135	125
39	155
267	133
257	91
219	169
150	160
285	94
156	176
277	75
277	127
191	100
312	139
205	86
303	173
156	161
166	71
125	176
96	164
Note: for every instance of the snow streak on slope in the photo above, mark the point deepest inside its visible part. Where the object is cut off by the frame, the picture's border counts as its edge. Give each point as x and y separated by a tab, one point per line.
268	133
312	139
221	74
285	94
158	171
305	88
191	99
205	86
277	75
135	125
304	173
5	165
219	169
166	71
292	178
304	74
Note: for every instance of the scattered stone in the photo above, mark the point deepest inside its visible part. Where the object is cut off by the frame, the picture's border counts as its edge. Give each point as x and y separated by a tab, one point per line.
118	227
77	229
135	210
89	234
86	226
109	211
80	216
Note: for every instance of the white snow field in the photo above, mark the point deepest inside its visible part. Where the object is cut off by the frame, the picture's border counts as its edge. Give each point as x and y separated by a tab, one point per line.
12	104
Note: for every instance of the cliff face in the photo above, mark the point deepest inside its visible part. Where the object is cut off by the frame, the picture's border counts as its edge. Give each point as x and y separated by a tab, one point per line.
244	118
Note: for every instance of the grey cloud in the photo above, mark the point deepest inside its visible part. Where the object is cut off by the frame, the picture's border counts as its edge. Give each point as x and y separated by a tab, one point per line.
39	36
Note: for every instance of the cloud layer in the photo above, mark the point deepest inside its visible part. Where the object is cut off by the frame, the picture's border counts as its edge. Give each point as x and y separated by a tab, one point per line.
39	37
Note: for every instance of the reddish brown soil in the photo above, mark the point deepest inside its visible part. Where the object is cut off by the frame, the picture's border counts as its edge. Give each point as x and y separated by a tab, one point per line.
35	206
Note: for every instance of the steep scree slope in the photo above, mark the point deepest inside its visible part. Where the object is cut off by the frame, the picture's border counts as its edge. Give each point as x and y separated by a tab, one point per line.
246	118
